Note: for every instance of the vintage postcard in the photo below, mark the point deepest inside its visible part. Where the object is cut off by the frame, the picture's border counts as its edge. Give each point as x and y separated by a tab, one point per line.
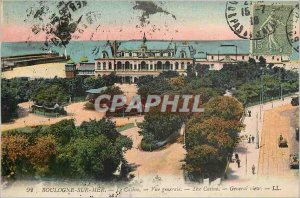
149	98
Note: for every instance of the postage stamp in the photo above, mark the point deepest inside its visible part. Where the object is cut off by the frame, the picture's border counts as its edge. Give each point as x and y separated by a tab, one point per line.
149	98
272	23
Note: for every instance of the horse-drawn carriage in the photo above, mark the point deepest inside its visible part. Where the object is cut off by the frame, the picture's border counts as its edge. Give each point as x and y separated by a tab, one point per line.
294	162
282	142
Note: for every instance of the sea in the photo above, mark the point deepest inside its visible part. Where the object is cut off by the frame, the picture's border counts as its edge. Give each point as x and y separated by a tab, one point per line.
93	49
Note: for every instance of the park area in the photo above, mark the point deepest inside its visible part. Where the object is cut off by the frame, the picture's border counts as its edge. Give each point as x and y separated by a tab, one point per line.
76	111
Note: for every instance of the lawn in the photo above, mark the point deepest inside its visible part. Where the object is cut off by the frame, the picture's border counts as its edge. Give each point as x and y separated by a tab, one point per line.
125	127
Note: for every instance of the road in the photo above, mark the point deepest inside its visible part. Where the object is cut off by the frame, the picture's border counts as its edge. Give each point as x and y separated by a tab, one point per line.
274	161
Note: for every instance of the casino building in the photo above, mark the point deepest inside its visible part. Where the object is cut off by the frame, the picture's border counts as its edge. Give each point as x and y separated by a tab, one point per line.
134	59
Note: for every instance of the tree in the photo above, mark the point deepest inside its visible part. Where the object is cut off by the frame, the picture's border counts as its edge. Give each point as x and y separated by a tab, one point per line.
201	69
157	86
160	124
49	95
252	61
177	82
113	90
14	159
93	83
93	157
168	74
262	61
9	105
40	153
95	128
248	92
214	131
111	79
204	161
225	107
63	131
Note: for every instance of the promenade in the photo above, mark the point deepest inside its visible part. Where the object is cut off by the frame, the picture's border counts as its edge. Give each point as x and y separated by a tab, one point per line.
260	125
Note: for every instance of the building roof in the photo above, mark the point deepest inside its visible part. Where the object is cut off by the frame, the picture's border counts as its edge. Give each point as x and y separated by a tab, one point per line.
106	48
86	66
151	45
184	49
214	47
96	91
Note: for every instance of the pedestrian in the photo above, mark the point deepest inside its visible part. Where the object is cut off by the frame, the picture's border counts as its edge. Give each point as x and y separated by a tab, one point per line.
280	138
253	169
249	140
230	157
249	113
252	139
238	161
236	156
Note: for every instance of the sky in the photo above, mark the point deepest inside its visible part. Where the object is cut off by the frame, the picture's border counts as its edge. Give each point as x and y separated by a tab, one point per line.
123	20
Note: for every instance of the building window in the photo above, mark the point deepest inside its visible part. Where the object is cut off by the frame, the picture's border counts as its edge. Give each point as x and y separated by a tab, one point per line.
99	66
134	66
176	65
161	54
182	54
277	59
109	65
243	57
104	54
182	65
169	54
127	65
167	65
130	54
122	54
151	66
212	57
119	65
104	66
273	57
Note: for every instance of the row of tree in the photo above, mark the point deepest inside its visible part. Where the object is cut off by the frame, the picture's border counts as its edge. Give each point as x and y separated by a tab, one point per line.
93	150
212	136
247	79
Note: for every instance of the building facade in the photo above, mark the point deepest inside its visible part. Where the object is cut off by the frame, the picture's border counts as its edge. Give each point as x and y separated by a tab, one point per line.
140	59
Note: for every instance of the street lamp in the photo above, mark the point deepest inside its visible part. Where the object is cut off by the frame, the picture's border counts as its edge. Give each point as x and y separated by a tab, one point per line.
257	134
262	92
232	46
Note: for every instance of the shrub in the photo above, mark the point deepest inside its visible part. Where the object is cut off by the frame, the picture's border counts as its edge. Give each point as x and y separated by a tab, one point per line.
89	106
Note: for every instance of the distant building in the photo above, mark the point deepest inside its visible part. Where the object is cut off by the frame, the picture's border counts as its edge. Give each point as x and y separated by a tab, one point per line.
70	69
134	59
85	69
